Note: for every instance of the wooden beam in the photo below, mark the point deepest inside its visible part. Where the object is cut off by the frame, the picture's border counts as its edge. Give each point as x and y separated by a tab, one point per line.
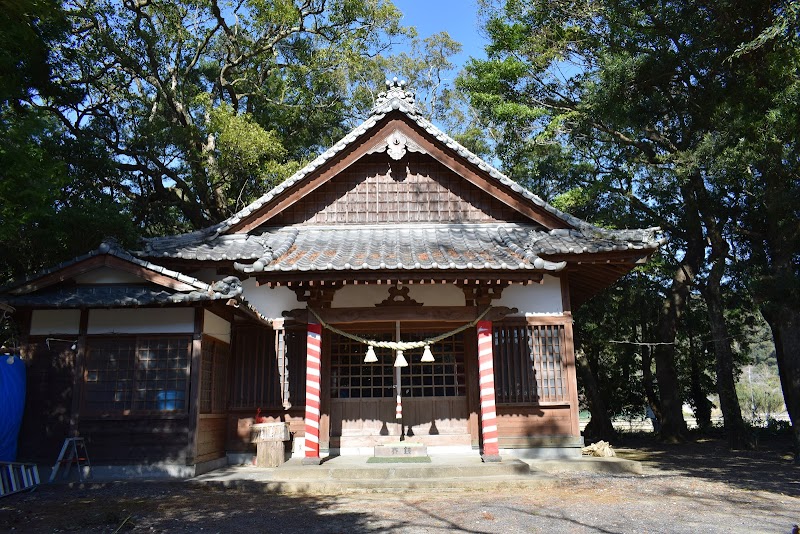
445	314
196	357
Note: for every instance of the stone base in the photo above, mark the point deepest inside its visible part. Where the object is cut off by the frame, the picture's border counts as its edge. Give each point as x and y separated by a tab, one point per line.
400	450
311	460
491	458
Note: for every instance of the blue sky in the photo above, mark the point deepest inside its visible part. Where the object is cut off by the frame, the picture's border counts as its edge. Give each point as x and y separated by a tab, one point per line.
459	18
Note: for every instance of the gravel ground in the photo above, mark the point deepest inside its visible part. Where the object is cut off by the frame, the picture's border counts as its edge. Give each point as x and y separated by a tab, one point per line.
697	487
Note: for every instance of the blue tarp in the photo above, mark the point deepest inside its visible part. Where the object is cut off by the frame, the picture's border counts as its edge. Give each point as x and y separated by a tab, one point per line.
12	405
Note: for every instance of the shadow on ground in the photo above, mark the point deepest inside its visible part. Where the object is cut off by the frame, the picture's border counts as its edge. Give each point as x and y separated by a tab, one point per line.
768	468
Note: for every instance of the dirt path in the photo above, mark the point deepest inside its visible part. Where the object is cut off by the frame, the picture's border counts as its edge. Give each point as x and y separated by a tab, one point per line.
688	488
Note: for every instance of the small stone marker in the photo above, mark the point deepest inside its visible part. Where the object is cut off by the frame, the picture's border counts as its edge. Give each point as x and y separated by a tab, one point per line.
400	450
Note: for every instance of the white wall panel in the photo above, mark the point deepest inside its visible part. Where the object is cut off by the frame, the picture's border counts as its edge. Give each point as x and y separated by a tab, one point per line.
368	296
270	302
535	299
46	322
216	326
141	321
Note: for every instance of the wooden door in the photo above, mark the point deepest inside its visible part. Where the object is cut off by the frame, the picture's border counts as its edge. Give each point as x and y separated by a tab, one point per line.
362	406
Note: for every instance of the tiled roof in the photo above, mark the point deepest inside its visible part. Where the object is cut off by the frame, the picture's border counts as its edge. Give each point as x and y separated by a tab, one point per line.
395	98
115	296
15	293
493	246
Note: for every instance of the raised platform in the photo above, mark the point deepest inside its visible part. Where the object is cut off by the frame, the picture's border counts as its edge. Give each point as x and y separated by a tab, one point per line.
352	474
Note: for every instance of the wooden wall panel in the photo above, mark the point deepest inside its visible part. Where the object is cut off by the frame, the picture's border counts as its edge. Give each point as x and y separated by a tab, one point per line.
534	421
48	400
211	434
379	190
368	422
136	439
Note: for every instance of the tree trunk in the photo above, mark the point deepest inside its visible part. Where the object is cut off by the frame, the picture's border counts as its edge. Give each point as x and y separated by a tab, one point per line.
785	325
673	425
702	406
649	385
600	425
779	292
738	434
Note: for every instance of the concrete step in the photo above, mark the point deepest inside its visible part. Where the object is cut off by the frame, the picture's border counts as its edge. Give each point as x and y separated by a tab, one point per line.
327	486
294	471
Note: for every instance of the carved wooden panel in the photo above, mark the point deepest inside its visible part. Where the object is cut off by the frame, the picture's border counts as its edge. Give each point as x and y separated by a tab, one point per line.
379	190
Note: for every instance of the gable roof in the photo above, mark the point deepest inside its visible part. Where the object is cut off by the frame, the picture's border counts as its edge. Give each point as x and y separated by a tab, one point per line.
159	284
244	237
395	99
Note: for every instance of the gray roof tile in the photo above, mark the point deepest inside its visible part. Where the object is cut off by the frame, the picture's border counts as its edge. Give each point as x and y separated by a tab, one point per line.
506	246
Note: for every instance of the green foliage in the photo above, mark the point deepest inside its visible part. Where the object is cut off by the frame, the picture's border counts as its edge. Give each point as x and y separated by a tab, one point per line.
673	114
204	104
28	31
50	208
759	392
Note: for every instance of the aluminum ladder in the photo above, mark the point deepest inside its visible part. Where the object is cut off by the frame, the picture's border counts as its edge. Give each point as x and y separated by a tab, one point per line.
73	452
16	477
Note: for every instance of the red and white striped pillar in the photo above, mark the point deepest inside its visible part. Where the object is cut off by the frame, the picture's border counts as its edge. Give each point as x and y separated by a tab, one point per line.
313	380
491	451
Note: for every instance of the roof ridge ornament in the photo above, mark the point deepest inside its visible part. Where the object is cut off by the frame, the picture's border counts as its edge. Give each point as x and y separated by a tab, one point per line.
395	97
396	144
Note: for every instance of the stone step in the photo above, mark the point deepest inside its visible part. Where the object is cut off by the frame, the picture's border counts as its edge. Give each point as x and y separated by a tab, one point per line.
329	486
294	472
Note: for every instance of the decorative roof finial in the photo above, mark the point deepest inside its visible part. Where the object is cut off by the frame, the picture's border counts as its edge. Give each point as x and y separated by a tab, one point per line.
395	97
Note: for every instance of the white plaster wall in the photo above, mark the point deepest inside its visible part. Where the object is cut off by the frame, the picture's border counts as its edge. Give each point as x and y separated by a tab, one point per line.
368	296
270	302
46	322
106	275
535	299
216	326
141	321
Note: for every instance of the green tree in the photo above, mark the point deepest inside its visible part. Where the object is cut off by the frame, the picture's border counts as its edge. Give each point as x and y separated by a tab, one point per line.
205	104
51	207
632	92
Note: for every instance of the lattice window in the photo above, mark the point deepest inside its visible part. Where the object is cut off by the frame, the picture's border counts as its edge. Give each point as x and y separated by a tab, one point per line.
529	364
513	366
351	378
547	345
213	375
256	381
445	377
137	374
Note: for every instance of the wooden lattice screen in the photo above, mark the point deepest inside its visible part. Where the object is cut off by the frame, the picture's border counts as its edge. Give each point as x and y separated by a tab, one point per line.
256	378
129	374
213	375
529	364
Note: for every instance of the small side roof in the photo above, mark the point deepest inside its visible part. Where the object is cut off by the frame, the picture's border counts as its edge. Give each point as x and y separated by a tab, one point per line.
159	284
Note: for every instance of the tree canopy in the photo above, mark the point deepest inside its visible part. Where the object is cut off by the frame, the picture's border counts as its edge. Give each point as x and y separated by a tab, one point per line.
675	114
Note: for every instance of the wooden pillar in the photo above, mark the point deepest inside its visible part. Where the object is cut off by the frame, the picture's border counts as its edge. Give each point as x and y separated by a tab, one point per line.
193	398
569	357
491	451
78	374
282	361
313	403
